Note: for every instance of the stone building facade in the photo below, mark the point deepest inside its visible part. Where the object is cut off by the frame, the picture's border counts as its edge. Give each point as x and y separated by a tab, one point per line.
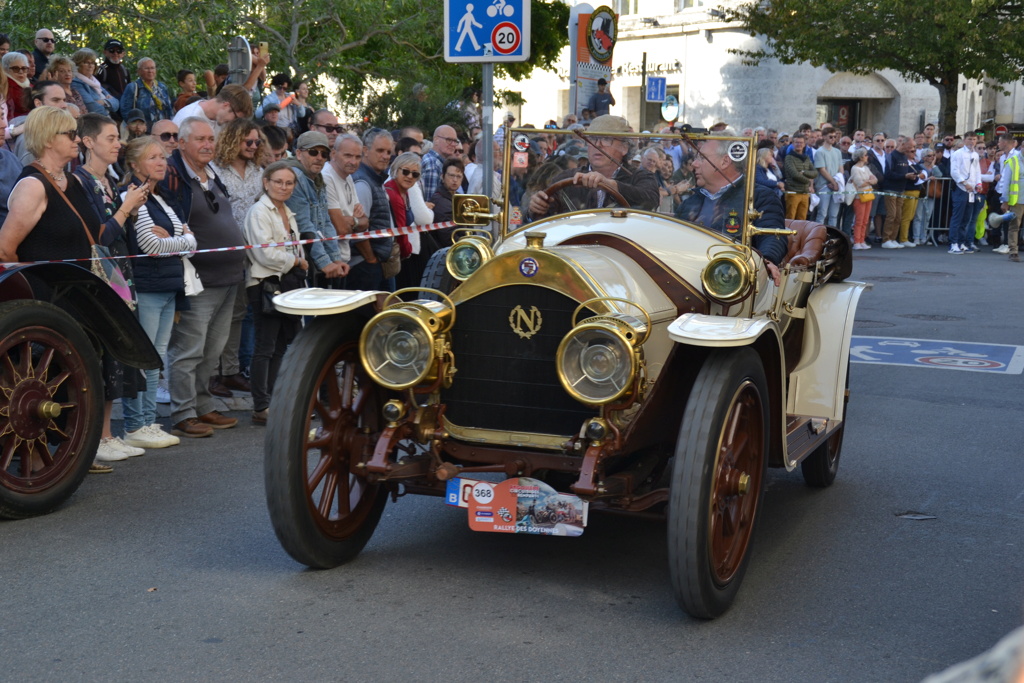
688	43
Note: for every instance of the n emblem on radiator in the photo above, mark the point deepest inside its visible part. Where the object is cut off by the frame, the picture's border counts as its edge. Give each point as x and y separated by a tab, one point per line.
525	324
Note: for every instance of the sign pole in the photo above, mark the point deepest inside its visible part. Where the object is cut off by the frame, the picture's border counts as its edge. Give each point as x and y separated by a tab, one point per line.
488	129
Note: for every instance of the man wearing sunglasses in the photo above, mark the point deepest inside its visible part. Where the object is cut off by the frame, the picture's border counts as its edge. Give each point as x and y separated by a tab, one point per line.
324	121
368	256
111	73
45	45
166	131
196	193
309	202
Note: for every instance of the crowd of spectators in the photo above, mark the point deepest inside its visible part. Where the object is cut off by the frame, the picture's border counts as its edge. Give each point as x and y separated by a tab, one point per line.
92	156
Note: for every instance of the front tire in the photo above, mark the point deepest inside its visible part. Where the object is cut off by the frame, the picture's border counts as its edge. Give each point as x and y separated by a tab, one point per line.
717	481
324	415
51	407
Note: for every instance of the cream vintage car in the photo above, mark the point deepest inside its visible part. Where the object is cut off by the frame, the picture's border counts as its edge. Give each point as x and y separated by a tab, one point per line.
597	359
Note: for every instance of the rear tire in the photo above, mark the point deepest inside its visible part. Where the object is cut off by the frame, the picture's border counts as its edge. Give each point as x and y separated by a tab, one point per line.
717	481
47	365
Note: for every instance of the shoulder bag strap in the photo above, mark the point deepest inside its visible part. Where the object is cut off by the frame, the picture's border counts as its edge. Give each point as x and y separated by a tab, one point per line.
36	164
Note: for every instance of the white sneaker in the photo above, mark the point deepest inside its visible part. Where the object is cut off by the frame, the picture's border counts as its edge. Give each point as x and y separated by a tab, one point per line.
146	438
908	243
162	395
983	242
109	452
955	249
157	430
891	244
130	451
1004	249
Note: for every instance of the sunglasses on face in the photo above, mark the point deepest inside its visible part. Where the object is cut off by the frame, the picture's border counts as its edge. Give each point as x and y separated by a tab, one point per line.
72	134
167	137
315	153
406	172
47	40
116	51
253	143
329	128
19	69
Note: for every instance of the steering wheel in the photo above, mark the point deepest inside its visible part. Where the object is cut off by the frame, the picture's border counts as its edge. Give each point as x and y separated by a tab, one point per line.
570	205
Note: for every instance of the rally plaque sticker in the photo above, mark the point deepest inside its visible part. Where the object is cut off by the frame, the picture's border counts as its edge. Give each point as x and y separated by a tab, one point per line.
529	266
521	505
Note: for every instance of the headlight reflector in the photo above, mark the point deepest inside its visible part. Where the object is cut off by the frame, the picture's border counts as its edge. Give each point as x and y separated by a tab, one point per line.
397	349
726	278
596	364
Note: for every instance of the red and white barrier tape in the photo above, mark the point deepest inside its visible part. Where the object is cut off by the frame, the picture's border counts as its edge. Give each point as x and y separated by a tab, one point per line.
370	234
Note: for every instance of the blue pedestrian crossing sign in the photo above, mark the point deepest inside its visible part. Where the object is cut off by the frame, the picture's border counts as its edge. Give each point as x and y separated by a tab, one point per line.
656	87
486	30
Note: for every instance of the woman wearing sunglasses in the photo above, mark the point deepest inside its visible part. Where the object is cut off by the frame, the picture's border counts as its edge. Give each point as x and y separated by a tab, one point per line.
408	208
16	68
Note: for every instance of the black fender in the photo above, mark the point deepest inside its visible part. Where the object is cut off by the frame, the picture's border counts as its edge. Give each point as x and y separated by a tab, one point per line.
90	301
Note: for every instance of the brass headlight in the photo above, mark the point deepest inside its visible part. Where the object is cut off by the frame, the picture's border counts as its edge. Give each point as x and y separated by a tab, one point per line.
727	277
597	364
468	253
397	346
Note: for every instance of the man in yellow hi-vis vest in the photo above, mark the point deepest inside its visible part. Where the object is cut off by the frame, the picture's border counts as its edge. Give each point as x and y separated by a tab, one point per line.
1009	187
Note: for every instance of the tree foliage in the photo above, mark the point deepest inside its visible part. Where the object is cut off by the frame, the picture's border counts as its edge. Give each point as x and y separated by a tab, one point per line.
933	42
375	50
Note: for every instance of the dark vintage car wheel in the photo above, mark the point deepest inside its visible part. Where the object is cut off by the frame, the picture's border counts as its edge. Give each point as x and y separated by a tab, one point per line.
820	467
51	407
324	414
436	275
717	481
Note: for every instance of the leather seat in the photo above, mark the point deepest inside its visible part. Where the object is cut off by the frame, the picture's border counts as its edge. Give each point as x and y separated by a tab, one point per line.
805	247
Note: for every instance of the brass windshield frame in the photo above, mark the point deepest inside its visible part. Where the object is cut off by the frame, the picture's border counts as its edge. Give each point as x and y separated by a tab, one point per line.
686	138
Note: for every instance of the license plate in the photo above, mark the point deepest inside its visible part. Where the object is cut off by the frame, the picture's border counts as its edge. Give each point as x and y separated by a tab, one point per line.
521	505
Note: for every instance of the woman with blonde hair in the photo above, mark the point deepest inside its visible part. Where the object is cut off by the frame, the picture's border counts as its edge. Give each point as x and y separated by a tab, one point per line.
96	98
159	280
61	70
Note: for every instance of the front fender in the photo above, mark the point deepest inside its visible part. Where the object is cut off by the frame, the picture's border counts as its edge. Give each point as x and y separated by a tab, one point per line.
90	301
317	301
700	329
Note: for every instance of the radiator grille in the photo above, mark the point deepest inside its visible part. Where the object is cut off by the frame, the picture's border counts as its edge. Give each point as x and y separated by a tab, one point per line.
505	382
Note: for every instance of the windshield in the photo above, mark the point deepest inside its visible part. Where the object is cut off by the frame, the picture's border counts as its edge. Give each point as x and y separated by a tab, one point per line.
704	179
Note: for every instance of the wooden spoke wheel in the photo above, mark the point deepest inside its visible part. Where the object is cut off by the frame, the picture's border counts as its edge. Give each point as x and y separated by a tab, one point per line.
324	416
717	481
570	200
51	407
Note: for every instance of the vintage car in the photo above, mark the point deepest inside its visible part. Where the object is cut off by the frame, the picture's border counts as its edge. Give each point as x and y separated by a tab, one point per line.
608	358
55	319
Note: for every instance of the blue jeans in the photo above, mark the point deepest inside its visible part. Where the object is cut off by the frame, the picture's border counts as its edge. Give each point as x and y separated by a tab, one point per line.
828	207
156	315
965	216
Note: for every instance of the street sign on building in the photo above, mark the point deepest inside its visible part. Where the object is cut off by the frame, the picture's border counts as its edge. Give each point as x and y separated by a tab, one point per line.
656	88
486	30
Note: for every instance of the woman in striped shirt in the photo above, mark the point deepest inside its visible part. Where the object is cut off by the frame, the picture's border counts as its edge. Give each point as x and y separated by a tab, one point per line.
159	280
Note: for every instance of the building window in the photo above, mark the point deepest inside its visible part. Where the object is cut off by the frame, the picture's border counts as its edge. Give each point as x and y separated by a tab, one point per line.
623	7
687	4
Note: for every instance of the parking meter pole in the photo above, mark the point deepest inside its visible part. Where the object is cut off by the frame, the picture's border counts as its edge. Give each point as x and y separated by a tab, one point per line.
488	133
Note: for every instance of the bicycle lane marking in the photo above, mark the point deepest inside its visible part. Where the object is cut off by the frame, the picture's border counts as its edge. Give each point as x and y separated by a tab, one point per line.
1005	359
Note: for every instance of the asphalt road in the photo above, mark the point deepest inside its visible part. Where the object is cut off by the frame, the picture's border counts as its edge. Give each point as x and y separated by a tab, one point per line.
168	570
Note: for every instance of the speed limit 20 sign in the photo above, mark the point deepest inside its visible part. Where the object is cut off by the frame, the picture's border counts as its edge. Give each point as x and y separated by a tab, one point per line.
486	30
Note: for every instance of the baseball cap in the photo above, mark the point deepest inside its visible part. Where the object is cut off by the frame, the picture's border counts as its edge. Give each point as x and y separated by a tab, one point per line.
311	139
273	106
135	115
113	43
